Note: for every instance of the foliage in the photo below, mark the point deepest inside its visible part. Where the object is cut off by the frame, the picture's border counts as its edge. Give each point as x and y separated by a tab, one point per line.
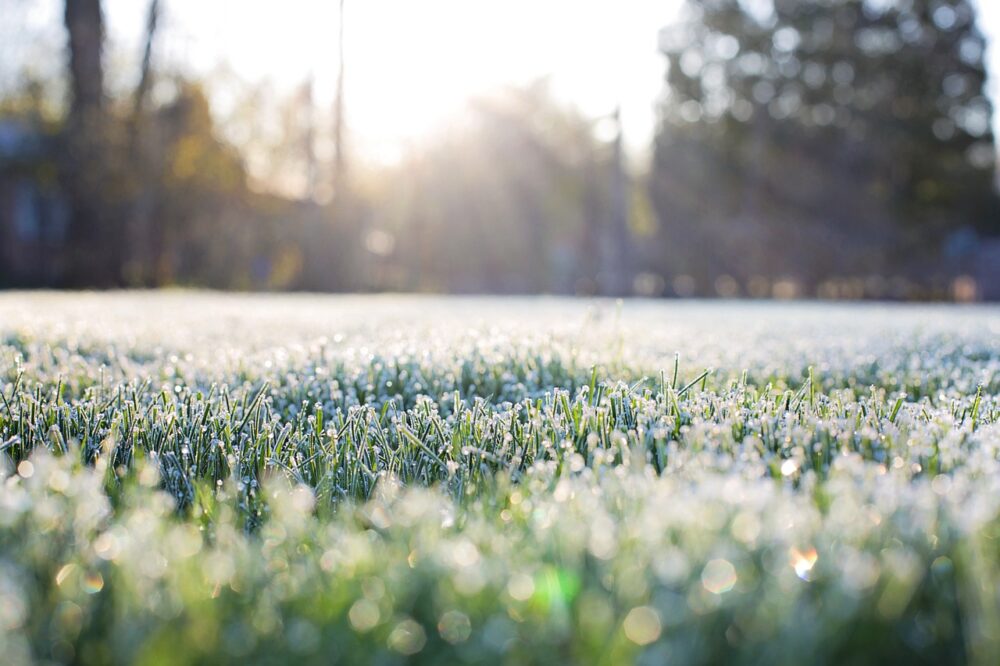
503	201
818	139
819	147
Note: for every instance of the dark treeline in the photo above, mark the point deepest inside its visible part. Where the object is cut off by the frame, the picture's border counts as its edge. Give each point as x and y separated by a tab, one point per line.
826	140
835	148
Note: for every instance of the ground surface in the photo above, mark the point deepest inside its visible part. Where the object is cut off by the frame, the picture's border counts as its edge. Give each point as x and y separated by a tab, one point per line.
195	478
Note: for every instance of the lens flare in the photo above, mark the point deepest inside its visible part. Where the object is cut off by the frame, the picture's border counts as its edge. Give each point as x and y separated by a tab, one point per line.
802	561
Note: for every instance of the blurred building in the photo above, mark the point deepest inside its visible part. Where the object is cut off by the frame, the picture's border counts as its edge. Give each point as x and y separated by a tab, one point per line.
33	216
988	270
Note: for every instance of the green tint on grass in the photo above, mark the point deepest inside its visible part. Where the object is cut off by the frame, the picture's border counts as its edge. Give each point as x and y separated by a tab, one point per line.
207	479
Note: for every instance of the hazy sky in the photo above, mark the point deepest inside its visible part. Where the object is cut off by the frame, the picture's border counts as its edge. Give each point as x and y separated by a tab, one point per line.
411	63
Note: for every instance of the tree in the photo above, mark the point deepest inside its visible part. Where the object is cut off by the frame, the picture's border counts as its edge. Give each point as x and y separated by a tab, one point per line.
501	202
94	247
822	138
138	267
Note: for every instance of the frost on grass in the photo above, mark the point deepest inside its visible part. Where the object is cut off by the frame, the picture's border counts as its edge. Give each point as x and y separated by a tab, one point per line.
200	478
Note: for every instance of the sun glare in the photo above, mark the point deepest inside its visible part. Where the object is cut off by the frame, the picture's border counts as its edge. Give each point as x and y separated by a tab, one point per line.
411	66
803	561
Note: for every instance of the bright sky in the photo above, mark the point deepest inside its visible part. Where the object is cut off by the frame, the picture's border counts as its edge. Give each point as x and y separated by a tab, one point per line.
412	63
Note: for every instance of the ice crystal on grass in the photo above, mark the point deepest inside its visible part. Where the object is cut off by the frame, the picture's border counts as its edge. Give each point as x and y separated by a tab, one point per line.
204	478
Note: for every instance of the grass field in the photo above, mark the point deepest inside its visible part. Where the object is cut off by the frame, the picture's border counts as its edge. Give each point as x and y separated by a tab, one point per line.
197	478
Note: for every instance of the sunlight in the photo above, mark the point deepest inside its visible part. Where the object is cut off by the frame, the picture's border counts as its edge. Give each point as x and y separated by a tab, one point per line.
487	331
412	66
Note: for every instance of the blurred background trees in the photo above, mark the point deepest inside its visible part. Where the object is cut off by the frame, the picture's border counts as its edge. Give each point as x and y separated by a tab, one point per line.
854	135
514	199
839	148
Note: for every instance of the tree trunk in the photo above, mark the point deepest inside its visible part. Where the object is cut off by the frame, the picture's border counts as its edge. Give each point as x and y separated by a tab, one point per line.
93	252
616	252
339	156
139	262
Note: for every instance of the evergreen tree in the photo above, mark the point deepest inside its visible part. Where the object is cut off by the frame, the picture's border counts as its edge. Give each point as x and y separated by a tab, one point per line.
822	138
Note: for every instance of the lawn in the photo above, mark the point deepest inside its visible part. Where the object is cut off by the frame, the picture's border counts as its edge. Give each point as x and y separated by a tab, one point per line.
199	478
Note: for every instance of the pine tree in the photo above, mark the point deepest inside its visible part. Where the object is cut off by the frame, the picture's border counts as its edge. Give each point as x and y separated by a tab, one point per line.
822	138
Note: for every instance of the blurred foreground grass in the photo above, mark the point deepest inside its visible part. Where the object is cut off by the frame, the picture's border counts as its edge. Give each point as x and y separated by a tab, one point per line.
193	478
